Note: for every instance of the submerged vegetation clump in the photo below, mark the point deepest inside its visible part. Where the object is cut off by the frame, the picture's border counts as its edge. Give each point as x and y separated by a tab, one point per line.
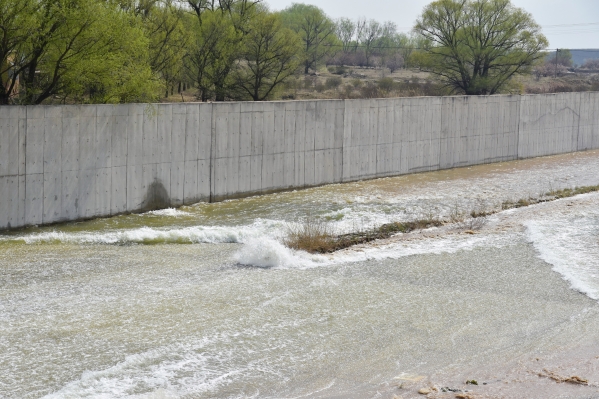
318	237
315	236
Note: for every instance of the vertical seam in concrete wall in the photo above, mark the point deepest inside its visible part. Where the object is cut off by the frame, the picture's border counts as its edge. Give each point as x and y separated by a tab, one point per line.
211	171
343	142
262	150
518	127
578	128
440	134
184	157
25	168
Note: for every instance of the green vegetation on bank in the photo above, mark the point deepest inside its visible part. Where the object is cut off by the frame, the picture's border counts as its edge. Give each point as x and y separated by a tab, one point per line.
117	51
314	236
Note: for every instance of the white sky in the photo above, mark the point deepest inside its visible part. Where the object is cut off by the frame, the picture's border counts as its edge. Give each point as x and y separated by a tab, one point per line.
545	12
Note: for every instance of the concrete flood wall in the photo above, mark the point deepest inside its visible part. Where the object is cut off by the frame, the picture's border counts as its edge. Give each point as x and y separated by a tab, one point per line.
64	163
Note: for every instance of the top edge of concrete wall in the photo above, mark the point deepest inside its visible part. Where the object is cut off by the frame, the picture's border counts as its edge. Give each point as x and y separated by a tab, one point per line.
306	100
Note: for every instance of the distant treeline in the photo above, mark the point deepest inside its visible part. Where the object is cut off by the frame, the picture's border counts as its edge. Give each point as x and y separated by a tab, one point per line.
115	51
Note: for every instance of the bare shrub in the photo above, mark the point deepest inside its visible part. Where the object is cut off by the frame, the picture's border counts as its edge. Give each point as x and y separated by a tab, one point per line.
474	223
333	82
319	87
591	64
312	235
395	62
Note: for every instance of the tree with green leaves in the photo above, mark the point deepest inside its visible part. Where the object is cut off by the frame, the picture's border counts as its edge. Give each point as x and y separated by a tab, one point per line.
346	32
218	30
84	49
164	27
268	56
368	38
212	54
316	30
477	46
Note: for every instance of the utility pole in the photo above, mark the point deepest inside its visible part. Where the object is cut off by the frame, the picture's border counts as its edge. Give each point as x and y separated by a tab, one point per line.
556	53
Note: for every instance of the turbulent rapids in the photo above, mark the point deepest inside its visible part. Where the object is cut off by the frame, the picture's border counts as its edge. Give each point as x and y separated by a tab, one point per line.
206	300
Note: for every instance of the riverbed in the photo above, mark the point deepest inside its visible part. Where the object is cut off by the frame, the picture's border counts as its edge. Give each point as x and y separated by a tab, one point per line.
205	301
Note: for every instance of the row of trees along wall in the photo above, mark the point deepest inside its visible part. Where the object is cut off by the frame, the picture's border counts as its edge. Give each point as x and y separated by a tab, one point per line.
118	51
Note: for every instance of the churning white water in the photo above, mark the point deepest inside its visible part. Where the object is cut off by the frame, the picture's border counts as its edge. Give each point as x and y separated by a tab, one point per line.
205	301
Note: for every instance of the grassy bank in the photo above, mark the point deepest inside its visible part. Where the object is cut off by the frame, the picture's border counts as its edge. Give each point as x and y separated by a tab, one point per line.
317	237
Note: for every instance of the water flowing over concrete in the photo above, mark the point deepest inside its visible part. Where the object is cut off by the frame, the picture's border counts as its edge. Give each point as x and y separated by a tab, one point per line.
71	162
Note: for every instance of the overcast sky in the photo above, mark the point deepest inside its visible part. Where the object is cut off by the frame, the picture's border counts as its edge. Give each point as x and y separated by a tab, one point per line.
547	13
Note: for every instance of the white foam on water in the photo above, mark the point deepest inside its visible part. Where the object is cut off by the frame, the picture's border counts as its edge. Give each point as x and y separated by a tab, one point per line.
169	372
423	246
570	243
150	235
168	212
270	253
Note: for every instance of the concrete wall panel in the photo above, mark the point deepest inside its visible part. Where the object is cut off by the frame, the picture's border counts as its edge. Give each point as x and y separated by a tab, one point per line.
104	131
10	200
245	174
70	138
192	133
118	138
150	142
245	130
190	184
70	194
164	125
178	120
149	178
118	197
34	153
177	183
203	190
135	194
11	131
586	121
135	135
52	197
34	198
205	144
103	191
278	137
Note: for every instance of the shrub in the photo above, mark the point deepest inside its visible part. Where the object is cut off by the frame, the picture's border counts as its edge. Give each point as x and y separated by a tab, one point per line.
333	83
591	64
370	90
386	84
312	236
309	82
394	62
357	83
337	70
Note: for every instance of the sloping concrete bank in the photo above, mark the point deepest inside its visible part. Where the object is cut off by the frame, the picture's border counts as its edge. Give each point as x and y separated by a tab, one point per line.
64	163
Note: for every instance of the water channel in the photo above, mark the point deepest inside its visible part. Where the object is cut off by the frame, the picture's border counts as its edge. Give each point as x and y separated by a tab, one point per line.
204	301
